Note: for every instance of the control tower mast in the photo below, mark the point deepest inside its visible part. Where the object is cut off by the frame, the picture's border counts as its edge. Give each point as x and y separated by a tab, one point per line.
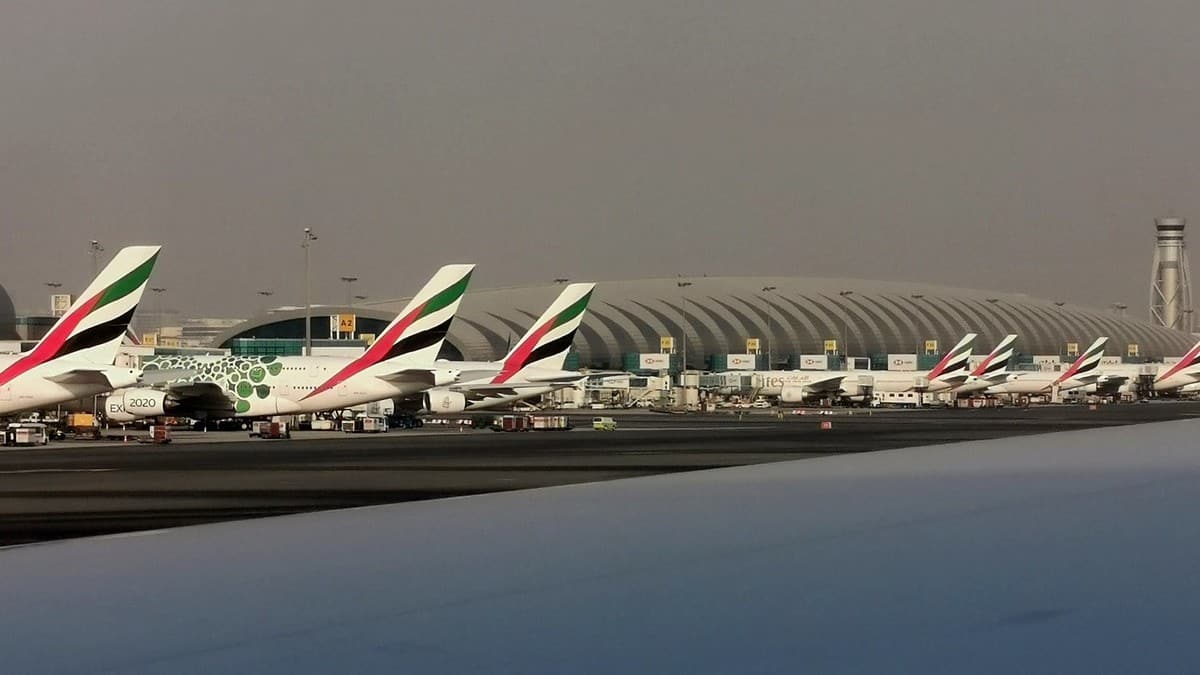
1170	286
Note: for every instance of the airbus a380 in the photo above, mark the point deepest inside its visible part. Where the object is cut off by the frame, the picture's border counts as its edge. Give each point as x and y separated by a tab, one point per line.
797	386
1184	373
1083	372
401	362
992	370
77	357
952	371
531	368
1175	377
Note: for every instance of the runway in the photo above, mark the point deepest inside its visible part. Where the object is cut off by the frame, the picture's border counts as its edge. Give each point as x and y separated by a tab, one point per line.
77	489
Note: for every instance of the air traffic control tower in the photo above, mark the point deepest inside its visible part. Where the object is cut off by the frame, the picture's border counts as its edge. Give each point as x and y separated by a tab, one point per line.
1170	286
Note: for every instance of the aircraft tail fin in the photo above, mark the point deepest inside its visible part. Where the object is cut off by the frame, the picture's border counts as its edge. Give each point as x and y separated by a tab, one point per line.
417	333
954	363
1190	360
548	340
996	363
93	328
1087	364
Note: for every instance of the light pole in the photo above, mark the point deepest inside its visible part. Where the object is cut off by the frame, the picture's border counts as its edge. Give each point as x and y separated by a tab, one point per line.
770	327
266	296
683	314
349	289
359	298
309	238
916	297
94	250
846	325
158	291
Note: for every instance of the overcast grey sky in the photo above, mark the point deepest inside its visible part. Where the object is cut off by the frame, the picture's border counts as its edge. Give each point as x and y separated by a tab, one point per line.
1020	145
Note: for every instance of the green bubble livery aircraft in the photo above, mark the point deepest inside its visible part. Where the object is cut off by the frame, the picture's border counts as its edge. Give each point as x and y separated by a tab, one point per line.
401	362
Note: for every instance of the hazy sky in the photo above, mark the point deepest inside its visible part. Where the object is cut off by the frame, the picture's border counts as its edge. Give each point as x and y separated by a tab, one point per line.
1020	145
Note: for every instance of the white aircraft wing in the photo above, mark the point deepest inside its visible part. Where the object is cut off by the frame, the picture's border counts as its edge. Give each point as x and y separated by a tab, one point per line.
416	375
206	395
81	376
830	384
515	387
1050	553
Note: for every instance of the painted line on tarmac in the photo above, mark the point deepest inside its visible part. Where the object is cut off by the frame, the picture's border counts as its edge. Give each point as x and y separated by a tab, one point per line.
697	428
57	471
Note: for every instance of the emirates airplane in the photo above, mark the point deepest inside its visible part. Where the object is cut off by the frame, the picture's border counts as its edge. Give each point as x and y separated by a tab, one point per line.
76	359
1083	372
400	363
532	368
1183	373
798	386
992	370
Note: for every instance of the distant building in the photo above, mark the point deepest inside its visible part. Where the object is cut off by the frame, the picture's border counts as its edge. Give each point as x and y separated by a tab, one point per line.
191	333
714	317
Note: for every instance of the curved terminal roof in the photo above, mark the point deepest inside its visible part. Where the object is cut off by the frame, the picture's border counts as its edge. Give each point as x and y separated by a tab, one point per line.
8	317
718	313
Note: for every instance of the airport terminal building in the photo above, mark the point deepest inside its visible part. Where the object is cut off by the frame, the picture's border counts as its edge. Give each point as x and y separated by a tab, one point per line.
711	318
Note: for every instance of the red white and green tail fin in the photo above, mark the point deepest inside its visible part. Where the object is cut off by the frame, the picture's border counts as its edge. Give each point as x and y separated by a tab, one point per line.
1190	360
955	363
546	343
92	330
1087	366
996	363
417	334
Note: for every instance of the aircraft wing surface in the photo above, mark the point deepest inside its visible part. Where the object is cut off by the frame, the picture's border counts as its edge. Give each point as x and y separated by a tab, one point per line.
81	376
1067	552
832	383
418	375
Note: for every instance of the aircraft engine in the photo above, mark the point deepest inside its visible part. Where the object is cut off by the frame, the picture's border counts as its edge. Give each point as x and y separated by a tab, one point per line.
126	405
445	401
795	395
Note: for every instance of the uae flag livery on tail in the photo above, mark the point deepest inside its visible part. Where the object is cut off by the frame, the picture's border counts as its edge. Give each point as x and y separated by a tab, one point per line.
955	363
1087	365
1190	360
546	343
91	331
996	363
417	334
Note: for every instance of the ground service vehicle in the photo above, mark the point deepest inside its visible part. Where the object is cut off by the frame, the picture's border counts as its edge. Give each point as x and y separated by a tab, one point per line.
26	433
365	424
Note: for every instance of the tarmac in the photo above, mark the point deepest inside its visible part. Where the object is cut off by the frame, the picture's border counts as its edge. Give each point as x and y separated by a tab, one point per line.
83	488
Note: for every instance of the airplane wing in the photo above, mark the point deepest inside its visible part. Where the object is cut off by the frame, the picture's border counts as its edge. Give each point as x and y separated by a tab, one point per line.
665	566
1109	384
163	376
483	374
417	375
207	395
829	384
82	376
513	387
